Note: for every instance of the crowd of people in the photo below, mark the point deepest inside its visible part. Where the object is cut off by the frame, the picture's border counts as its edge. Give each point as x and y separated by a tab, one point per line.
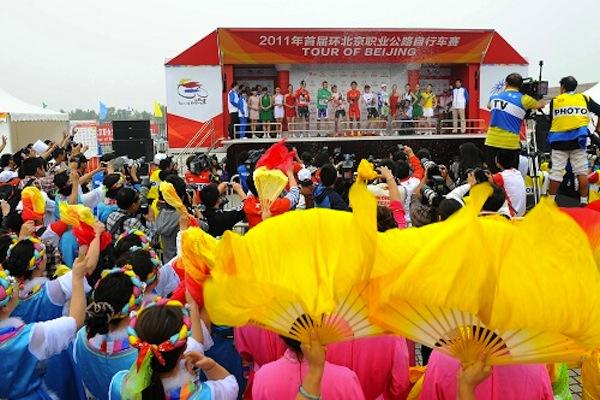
110	318
254	111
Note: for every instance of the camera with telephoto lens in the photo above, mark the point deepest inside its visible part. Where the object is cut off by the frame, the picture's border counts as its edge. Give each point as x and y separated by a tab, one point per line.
434	174
534	88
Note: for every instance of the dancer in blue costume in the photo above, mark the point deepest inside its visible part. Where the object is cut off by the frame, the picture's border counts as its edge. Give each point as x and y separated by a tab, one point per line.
168	360
102	347
42	299
24	346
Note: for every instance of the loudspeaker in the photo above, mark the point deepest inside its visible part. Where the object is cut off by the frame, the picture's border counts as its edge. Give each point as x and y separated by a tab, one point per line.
134	148
542	127
128	130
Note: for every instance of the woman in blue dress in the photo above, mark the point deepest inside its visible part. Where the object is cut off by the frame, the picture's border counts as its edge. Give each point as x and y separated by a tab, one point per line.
24	347
169	360
42	299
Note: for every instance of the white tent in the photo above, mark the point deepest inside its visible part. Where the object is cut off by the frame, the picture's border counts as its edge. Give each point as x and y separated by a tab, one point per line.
24	123
594	94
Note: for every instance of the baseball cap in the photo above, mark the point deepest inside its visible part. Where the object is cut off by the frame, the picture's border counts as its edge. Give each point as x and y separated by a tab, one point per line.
6	176
304	175
158	157
118	163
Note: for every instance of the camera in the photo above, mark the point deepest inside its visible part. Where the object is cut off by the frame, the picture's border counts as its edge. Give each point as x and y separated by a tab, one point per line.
253	157
199	164
337	155
534	88
481	175
347	167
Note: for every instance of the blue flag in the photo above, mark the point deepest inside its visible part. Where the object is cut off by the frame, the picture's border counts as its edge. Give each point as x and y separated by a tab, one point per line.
103	112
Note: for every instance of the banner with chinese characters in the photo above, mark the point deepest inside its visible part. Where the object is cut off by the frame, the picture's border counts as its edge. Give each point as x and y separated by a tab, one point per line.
85	132
291	46
105	133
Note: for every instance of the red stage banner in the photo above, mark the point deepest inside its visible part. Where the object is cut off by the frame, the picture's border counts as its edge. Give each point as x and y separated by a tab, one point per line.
105	133
291	46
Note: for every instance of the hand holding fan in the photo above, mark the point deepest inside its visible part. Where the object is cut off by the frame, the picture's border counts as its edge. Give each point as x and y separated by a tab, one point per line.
170	196
82	220
196	252
499	290
269	184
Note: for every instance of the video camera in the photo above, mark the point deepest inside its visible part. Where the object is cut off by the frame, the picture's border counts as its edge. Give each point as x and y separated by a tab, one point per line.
199	164
253	157
534	88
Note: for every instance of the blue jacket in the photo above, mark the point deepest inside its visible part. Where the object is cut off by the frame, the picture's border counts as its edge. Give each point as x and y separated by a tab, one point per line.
326	197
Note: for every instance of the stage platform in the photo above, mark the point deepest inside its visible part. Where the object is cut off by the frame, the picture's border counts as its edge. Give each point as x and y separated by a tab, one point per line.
443	147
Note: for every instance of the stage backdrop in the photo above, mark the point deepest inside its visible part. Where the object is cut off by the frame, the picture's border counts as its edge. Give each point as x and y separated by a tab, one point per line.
194	96
342	74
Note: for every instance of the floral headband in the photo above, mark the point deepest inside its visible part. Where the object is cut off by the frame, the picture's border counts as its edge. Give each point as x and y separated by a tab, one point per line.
138	290
155	262
39	251
7	287
141	372
143	238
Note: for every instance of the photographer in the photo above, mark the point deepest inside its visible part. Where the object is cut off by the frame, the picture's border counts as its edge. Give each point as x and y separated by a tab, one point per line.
569	113
392	216
508	109
409	181
219	220
427	196
167	221
198	172
129	216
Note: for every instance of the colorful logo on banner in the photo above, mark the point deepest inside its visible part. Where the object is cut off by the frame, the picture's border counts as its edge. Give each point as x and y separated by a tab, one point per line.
3	116
192	90
252	46
498	87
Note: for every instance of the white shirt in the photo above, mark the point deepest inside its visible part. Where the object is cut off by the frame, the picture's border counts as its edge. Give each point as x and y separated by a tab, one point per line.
514	185
459	98
369	100
523	165
236	97
409	186
47	338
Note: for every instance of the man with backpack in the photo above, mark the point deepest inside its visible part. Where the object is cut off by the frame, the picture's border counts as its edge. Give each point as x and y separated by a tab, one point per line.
324	195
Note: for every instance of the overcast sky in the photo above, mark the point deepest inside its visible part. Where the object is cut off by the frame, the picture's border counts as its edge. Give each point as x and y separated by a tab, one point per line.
72	53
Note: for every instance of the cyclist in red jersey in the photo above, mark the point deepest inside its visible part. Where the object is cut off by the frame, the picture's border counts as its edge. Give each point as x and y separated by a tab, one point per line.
354	106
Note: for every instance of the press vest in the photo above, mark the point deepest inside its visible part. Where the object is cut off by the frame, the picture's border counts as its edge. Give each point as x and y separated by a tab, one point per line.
507	111
570	117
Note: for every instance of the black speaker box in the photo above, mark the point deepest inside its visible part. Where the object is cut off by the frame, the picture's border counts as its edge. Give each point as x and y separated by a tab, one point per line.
542	127
134	148
128	130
